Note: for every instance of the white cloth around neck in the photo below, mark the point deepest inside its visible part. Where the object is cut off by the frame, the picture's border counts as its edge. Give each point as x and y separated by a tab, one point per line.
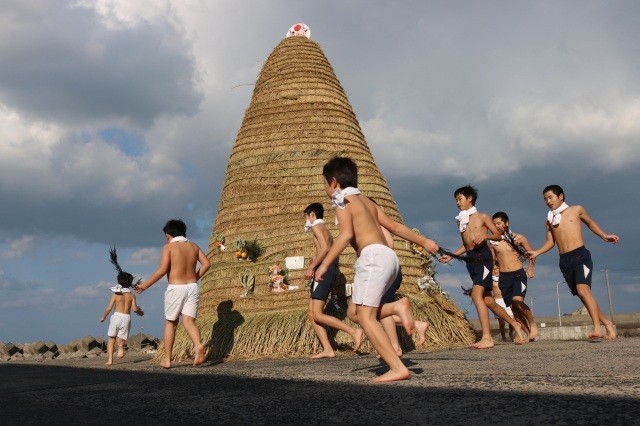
463	218
337	198
119	289
554	216
308	225
178	240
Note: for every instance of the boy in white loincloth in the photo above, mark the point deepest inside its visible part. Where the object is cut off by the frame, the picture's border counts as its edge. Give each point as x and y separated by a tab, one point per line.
122	301
377	264
179	262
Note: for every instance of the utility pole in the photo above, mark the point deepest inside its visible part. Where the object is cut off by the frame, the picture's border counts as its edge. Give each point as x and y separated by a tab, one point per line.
558	296
606	279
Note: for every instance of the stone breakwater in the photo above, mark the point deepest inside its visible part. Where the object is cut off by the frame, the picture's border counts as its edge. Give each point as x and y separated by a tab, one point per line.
87	347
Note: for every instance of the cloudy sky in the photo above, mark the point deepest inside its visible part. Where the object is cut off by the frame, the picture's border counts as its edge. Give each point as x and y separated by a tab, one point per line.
116	115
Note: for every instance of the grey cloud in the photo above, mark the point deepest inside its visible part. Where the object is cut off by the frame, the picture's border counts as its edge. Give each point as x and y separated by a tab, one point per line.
64	65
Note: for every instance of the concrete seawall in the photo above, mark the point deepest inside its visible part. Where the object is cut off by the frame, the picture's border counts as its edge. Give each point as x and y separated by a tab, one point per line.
571	327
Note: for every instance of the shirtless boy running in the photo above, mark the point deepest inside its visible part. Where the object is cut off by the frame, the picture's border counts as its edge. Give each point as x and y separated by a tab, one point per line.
389	323
564	228
123	302
474	229
178	262
377	264
320	289
509	252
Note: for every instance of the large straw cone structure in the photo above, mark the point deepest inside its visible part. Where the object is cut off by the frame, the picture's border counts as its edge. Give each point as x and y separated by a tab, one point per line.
299	118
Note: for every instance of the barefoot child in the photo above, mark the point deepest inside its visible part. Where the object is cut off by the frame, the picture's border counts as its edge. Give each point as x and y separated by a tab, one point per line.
474	227
123	301
178	262
564	228
509	254
320	290
377	264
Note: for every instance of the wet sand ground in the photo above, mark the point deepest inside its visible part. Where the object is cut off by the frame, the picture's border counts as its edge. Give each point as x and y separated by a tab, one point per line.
549	382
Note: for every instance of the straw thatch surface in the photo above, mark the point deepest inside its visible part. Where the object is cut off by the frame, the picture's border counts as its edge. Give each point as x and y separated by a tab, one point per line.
299	117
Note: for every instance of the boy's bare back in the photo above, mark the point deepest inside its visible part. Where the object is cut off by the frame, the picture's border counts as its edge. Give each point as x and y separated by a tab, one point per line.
321	238
363	214
182	258
123	302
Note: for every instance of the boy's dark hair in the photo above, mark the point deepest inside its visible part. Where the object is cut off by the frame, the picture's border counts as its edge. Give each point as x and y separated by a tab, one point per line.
125	279
175	228
467	191
344	169
315	208
501	215
556	189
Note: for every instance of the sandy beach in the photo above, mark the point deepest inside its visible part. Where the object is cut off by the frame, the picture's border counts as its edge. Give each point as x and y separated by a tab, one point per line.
550	382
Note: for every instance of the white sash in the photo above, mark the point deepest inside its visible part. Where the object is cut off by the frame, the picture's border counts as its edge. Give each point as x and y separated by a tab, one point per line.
337	198
119	289
308	225
554	216
463	218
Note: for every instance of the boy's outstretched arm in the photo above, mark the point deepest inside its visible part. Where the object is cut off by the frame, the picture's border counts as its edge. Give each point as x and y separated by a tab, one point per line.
595	228
205	264
135	306
522	241
345	235
458	252
112	302
548	244
404	232
165	262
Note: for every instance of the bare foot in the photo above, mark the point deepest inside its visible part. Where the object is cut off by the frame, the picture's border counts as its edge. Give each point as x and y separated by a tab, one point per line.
120	353
110	362
199	359
483	344
324	354
534	332
357	339
166	365
392	376
421	328
521	338
611	333
596	333
406	315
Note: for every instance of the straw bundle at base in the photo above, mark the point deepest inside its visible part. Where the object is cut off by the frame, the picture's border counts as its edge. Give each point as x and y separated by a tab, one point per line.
299	118
288	333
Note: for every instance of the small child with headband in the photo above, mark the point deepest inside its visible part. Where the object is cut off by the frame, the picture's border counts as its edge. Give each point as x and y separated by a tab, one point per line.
122	301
